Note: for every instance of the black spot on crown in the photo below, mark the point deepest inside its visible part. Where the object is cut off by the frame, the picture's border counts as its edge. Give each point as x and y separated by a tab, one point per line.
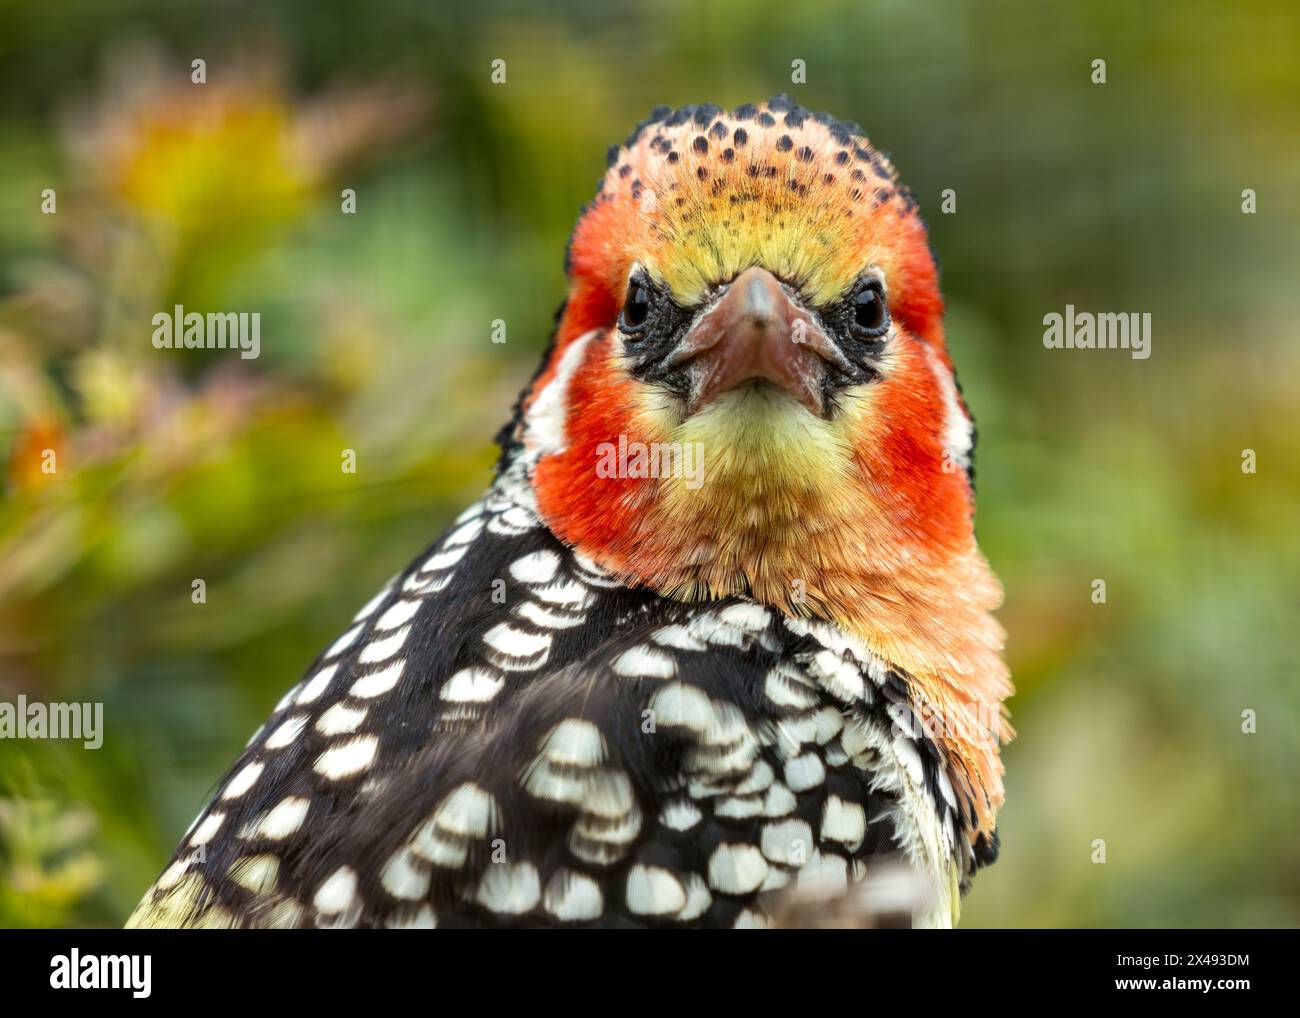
706	112
706	115
794	115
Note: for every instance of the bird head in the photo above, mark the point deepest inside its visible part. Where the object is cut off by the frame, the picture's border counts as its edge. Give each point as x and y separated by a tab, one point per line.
749	390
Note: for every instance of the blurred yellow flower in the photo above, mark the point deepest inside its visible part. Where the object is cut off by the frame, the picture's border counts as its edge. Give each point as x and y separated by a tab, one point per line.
46	863
113	388
206	167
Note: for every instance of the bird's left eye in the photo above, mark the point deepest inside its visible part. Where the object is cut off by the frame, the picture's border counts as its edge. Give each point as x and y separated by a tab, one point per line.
636	308
870	312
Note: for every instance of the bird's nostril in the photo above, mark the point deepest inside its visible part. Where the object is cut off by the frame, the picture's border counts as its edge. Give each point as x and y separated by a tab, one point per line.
758	300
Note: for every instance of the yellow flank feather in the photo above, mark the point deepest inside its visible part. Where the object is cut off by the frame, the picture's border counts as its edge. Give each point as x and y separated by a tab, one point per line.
177	906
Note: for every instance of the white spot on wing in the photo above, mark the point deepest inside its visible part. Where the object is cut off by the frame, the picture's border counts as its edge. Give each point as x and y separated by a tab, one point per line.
510	888
910	758
382	650
698	899
751	617
344	642
347	758
539	567
645	662
677	637
787	841
400	613
787	688
779	801
573	897
532	649
285	818
471	512
464	534
653	890
317	685
843	821
574	743
683	705
513	522
204	832
441	560
472	685
243	781
543	618
371	605
256	873
337	892
680	815
174	872
340	720
841	679
568	594
378	683
736	869
421	919
287	732
404	878
804	772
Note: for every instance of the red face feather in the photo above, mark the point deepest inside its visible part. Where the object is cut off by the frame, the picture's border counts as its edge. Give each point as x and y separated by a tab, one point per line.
833	475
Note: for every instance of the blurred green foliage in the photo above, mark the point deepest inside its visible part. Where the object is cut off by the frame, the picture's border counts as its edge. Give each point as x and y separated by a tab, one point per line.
375	337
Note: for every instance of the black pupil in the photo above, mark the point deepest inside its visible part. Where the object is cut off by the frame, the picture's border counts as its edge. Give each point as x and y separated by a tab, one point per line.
638	306
868	309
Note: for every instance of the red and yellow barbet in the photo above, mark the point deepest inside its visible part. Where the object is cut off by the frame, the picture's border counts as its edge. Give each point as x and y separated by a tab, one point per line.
724	696
866	518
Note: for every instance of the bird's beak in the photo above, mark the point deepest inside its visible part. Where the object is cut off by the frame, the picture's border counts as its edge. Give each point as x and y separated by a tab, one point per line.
757	332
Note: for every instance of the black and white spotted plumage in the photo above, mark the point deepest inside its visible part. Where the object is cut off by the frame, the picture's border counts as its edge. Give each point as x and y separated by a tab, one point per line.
507	736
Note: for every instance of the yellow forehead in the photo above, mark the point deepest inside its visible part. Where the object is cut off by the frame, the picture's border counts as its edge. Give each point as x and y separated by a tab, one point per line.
710	193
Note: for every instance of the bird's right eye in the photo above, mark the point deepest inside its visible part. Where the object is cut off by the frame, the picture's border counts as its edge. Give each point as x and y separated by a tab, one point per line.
636	308
870	311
